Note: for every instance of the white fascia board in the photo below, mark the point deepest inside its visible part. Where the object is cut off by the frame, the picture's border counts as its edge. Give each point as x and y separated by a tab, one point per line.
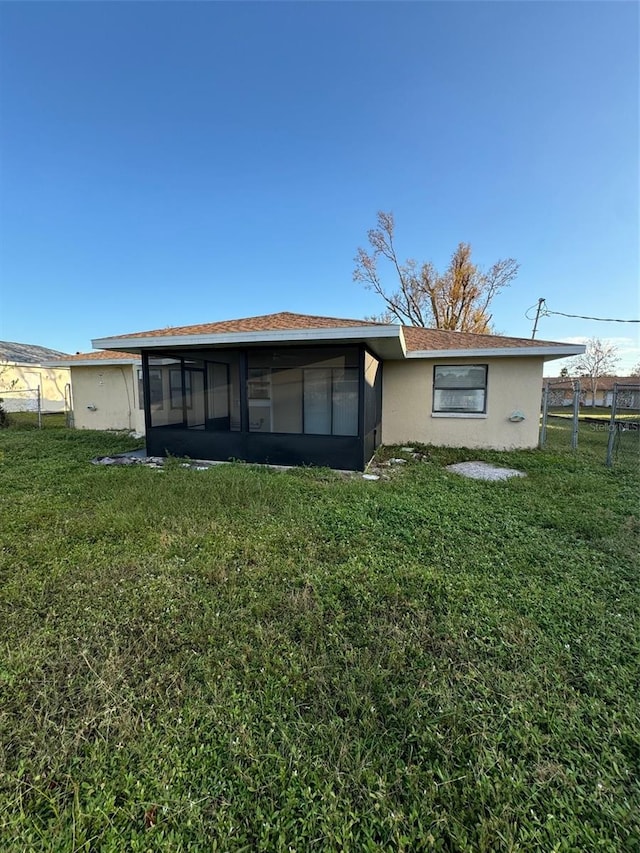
92	362
548	353
342	333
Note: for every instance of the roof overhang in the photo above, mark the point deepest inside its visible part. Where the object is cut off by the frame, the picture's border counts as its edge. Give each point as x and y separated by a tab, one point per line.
91	362
387	342
548	353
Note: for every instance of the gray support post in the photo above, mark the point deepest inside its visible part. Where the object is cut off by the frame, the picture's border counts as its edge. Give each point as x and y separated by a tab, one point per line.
576	414
545	406
68	405
612	426
39	398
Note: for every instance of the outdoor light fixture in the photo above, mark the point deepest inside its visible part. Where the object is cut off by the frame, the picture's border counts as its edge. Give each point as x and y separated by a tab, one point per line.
516	417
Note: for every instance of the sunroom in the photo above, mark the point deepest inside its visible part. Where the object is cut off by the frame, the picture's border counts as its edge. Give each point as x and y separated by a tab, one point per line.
287	405
279	389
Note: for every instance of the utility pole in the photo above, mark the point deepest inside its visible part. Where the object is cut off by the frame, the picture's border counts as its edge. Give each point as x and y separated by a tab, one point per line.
535	325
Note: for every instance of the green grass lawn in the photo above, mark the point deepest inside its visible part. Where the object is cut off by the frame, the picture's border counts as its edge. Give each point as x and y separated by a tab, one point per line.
247	660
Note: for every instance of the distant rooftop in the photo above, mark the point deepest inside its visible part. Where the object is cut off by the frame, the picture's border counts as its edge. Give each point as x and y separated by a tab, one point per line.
27	353
605	383
97	356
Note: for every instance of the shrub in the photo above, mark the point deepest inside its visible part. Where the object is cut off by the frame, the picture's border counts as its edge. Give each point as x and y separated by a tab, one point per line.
4	417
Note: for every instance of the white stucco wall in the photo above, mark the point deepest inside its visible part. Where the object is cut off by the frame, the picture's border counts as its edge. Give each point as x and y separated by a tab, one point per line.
106	397
512	384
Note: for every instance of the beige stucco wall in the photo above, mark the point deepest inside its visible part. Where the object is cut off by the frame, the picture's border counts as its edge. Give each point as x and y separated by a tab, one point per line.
106	397
16	378
512	384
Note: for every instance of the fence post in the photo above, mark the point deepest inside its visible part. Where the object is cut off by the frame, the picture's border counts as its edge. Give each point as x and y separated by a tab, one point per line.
545	406
612	426
576	414
68	405
39	398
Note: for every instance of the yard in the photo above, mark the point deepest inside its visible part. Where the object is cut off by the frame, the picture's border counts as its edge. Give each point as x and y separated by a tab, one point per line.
241	659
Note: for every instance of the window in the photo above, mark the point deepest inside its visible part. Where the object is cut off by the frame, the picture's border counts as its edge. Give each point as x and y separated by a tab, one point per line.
155	388
317	401
311	391
345	401
259	398
259	383
175	388
460	389
223	393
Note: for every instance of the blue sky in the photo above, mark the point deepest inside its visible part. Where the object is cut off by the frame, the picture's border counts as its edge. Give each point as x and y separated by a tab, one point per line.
172	163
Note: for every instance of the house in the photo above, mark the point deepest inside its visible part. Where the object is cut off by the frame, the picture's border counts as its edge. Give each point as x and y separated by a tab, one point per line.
628	391
295	389
106	390
562	391
24	375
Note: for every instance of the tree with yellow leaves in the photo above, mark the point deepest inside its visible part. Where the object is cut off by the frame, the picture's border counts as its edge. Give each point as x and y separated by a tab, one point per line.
457	299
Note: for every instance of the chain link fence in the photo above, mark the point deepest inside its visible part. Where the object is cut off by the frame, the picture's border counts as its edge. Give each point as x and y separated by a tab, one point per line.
623	445
23	406
561	400
26	407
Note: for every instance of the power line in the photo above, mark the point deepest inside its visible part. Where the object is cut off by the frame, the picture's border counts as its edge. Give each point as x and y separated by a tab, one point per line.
582	317
543	311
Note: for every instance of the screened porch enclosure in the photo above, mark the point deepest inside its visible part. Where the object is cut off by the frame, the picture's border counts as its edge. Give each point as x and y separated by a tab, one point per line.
289	406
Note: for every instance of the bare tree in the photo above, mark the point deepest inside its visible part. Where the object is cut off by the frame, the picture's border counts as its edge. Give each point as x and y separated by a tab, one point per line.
459	298
635	370
599	359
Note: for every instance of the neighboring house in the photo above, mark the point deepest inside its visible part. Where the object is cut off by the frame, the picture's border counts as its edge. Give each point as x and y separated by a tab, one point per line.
24	370
106	390
295	389
562	392
628	392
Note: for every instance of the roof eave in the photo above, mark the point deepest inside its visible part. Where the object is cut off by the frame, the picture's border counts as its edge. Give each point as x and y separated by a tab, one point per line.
546	352
91	362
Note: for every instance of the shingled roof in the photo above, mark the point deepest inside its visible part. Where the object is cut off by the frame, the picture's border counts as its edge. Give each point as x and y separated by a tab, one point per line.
103	356
27	353
283	321
416	339
605	383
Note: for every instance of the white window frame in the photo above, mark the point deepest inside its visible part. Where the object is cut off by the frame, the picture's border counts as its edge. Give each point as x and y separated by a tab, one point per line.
459	413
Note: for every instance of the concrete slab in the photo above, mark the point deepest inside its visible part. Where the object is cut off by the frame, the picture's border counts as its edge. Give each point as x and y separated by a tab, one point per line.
483	471
139	457
140	453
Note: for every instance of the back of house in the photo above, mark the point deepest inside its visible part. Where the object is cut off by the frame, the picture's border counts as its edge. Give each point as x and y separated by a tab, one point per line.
297	389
